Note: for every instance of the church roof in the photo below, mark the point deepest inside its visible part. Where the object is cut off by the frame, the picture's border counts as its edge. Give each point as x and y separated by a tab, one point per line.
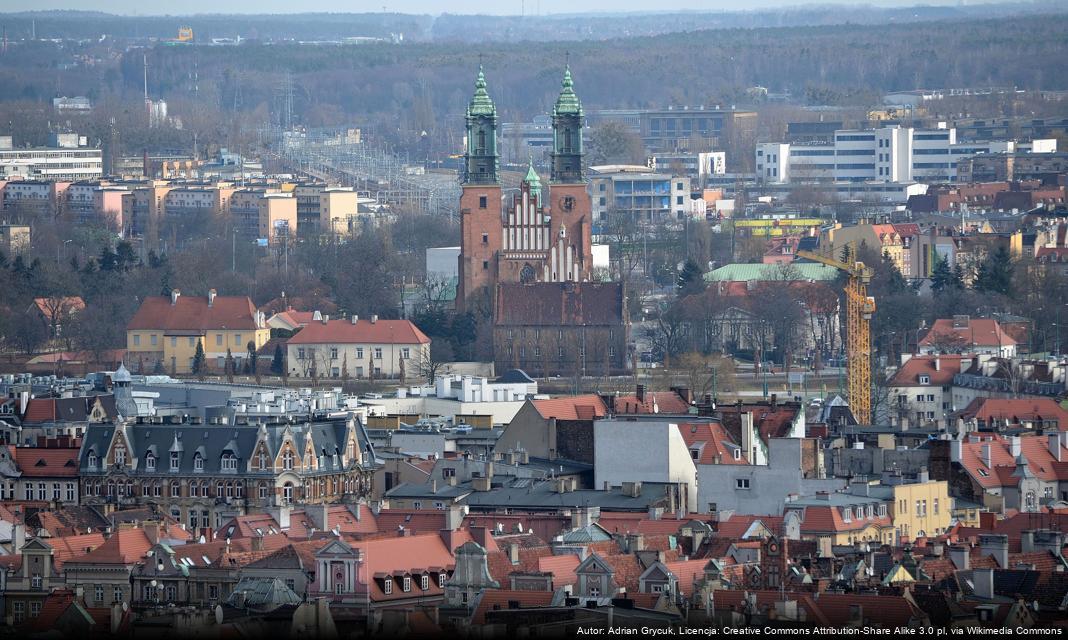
568	102
533	180
481	103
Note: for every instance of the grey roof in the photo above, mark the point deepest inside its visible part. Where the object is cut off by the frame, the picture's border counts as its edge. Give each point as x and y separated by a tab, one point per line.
590	533
832	500
262	594
212	441
543	495
515	376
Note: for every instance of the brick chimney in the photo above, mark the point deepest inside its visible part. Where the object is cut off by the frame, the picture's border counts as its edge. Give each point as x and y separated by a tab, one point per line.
175	294
640	393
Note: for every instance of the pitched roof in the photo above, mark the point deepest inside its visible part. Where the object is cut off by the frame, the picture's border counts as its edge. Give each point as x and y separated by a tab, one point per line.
193	314
496	599
562	567
1016	410
980	332
999	473
125	546
46	462
556	304
66	304
908	375
765	272
712	442
363	332
655	402
585	407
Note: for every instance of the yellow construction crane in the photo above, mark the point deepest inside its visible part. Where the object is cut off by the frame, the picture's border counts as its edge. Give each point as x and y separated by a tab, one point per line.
859	309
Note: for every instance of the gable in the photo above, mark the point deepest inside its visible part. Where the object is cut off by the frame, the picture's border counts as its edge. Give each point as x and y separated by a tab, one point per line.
593	564
336	547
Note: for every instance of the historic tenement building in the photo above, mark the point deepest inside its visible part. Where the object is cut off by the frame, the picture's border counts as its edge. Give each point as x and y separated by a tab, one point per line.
527	259
203	474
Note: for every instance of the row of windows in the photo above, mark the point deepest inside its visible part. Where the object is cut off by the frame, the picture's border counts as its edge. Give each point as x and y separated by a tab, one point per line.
931	165
856	152
861	512
813	152
153	340
58	491
931	152
931	136
228	461
405	353
857	166
869	137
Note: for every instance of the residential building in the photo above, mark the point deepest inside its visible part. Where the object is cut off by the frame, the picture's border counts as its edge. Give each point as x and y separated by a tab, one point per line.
558	428
33	197
964	334
1009	167
46	473
844	519
264	214
666	457
1002	414
164	332
691	128
203	475
460	398
358	348
920	391
1025	473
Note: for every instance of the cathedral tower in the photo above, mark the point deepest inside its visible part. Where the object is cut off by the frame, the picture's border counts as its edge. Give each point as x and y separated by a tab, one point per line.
480	202
568	199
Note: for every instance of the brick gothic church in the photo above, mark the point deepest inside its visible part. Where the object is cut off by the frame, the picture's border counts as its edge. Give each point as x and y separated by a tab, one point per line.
528	259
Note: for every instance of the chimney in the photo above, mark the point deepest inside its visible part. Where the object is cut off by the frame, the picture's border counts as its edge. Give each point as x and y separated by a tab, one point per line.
374	318
640	393
1055	446
257	542
319	514
1027	541
355	318
985	455
1014	445
959	556
513	553
983	581
152	531
774	400
938	363
175	293
116	617
996	545
454	517
211	297
18	537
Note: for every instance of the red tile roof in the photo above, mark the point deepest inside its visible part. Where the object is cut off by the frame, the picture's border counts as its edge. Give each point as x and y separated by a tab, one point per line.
68	305
626	569
1015	411
908	375
562	568
363	332
125	546
68	548
980	332
712	440
687	572
825	519
37	462
662	401
1035	450
496	599
584	407
192	314
737	525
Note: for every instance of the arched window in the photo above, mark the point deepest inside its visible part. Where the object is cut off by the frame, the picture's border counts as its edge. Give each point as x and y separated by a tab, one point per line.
219	490
239	489
92	460
194	489
198	462
287	492
229	462
287	460
176	489
263	461
264	491
150	462
1030	501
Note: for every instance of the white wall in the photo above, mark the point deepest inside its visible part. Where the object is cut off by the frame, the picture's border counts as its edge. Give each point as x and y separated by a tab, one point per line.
642	451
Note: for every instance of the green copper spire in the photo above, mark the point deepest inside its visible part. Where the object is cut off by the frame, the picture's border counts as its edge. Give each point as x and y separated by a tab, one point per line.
532	180
568	102
481	104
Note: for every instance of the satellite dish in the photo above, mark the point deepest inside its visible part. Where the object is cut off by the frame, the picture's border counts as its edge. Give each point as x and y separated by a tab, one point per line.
152	584
218	614
125	607
202	540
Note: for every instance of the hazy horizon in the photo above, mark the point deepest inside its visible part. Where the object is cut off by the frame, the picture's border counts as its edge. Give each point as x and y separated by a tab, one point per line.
432	7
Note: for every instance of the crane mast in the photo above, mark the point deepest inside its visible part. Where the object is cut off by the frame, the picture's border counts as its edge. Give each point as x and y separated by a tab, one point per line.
859	309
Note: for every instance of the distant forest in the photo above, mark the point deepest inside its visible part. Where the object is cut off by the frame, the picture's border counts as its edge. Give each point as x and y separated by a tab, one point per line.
397	91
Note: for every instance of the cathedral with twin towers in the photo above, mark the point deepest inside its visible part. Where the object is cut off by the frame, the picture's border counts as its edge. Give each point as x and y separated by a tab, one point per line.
526	256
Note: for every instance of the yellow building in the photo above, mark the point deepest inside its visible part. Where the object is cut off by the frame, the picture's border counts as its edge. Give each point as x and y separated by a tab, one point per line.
922	509
164	332
883	238
843	518
14	239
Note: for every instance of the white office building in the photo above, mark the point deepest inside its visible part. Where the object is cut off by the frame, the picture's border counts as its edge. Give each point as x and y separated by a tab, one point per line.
889	154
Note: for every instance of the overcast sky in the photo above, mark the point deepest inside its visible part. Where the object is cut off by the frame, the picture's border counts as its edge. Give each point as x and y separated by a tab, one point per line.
514	7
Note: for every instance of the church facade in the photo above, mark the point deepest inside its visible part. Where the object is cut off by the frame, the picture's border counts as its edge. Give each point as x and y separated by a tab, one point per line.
536	245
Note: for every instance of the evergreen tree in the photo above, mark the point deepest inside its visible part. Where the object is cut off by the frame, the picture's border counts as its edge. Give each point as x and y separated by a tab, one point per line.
198	359
690	280
278	365
995	273
250	357
229	365
943	276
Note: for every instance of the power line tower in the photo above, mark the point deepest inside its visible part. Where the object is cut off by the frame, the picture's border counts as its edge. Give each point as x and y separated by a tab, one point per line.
284	100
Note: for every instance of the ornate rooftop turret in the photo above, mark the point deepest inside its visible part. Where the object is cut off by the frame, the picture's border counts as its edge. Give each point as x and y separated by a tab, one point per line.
568	121
480	157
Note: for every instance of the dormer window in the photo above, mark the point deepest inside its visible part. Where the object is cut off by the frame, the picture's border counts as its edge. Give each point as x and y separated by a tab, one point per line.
174	460
198	462
229	462
442	577
150	462
424	582
925	379
847	514
407	584
387	586
92	461
737	453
